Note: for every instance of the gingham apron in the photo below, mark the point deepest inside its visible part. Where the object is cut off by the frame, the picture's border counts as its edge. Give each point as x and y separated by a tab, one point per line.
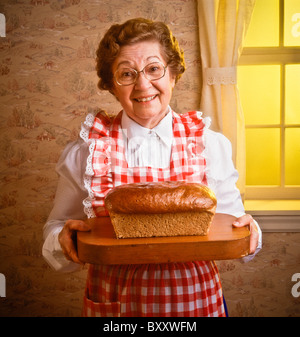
183	289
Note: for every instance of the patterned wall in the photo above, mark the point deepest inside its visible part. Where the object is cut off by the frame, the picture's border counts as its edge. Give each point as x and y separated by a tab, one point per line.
47	86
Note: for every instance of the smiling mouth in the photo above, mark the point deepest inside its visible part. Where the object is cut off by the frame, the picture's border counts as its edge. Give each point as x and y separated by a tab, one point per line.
145	99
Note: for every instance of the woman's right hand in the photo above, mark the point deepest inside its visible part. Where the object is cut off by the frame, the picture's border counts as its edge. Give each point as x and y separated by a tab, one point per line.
67	238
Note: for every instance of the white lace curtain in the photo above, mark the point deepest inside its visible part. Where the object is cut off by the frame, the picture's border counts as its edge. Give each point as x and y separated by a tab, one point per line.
222	28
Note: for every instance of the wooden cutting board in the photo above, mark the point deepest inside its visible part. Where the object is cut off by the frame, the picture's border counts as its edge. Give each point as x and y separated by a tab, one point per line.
100	246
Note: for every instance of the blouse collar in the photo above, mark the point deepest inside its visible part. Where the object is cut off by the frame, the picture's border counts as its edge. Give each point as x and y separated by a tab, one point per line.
163	130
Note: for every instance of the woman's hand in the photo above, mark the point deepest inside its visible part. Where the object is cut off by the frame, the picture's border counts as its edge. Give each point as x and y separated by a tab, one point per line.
67	238
247	220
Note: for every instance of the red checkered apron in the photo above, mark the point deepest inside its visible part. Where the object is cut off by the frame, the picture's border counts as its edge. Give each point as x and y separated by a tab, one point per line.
190	289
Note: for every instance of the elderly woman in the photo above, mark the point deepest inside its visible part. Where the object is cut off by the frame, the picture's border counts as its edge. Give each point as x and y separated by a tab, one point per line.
139	62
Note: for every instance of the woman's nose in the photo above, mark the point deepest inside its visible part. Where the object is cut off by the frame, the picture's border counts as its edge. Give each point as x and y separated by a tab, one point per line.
142	82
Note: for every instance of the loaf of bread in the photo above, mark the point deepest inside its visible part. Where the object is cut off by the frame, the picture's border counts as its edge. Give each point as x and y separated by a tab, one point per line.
169	208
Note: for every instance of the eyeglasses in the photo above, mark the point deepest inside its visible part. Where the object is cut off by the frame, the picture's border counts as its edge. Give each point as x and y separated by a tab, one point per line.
152	71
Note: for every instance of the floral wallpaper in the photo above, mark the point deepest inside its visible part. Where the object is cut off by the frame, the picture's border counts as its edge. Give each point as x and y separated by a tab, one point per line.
47	86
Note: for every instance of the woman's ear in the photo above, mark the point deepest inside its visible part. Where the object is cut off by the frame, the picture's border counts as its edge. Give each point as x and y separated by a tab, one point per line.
113	92
172	81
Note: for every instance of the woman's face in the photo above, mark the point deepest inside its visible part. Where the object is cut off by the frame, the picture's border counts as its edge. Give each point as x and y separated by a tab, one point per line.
145	101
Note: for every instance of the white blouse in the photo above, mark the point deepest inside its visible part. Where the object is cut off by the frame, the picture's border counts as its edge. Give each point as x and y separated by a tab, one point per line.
68	203
148	147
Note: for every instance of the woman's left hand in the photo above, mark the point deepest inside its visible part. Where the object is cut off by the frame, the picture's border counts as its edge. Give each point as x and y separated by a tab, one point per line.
247	220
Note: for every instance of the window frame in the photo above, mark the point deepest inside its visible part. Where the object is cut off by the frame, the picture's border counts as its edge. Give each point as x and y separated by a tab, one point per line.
282	56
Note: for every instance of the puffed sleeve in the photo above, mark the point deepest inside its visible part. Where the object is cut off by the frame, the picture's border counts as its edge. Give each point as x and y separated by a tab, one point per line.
222	177
67	204
221	174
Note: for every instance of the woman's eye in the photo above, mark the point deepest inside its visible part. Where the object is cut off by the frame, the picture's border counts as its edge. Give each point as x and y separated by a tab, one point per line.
153	69
127	74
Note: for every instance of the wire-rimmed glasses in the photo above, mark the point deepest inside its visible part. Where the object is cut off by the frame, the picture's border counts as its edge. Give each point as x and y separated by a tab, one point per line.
152	71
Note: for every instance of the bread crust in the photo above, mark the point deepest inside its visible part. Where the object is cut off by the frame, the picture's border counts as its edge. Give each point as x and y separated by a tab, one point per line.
160	198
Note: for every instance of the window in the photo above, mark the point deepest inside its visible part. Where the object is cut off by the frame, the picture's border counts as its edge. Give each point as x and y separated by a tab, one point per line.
269	86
